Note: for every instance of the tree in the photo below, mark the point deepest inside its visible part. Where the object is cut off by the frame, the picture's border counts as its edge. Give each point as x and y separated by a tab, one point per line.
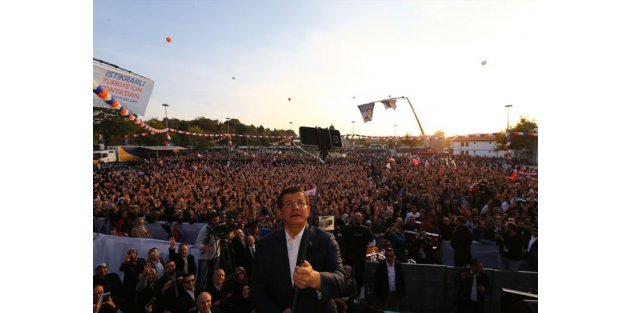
109	128
524	145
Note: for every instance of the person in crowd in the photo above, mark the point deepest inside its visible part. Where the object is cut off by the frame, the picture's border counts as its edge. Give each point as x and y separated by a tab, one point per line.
132	268
319	278
204	303
510	247
357	238
102	302
396	237
139	230
238	299
218	290
461	242
145	288
208	243
346	303
239	247
110	281
471	285
186	301
168	288
156	261
389	281
185	262
531	252
249	256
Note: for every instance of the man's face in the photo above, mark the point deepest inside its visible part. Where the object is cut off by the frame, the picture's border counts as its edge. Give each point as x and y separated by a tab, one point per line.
102	271
295	210
390	257
154	255
183	250
250	241
219	277
189	282
239	234
97	293
205	302
169	269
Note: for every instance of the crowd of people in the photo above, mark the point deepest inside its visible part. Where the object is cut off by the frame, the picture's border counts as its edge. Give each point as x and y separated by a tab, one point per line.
405	204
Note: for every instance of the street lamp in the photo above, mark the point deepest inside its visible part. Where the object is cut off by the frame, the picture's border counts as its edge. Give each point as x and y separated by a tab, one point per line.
228	132
165	113
508	106
395	138
352	129
291	126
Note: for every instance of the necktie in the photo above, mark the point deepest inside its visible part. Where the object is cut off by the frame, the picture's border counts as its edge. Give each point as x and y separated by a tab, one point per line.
473	291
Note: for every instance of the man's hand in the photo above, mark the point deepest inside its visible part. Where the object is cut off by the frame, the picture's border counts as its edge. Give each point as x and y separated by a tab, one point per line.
305	277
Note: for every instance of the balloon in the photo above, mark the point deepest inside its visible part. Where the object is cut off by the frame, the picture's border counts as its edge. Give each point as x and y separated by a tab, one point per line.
289	98
233	78
168	39
483	62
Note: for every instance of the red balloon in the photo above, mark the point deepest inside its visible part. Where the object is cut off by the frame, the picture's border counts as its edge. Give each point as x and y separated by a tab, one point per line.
168	39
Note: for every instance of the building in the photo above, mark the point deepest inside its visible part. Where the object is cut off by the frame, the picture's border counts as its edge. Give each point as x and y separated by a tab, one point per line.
483	146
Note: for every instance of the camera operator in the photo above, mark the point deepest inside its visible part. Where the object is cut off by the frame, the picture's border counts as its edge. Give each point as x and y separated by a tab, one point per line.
208	244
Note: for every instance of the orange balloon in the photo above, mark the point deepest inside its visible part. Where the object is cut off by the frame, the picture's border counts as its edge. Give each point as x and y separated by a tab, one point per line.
168	39
289	99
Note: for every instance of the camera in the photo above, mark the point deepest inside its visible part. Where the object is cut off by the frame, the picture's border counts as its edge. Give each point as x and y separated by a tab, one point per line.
324	138
221	230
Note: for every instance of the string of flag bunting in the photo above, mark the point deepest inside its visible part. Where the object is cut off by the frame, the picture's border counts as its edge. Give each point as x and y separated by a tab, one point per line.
366	112
530	134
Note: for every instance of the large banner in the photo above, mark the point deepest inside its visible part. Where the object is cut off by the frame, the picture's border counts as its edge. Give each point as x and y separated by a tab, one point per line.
131	90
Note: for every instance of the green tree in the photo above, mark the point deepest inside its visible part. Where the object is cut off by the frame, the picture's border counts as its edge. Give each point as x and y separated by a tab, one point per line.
109	128
523	145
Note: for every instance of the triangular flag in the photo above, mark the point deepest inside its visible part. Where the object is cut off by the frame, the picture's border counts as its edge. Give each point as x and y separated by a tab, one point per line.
311	192
366	111
389	104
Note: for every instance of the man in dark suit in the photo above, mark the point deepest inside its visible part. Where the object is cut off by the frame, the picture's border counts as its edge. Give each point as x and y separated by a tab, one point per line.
186	301
239	247
389	281
319	279
471	285
184	262
461	242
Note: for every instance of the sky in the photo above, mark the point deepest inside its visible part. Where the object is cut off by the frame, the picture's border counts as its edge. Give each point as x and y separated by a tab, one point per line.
328	57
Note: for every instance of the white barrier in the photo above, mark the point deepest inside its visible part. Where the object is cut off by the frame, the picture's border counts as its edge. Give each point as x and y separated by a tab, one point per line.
113	249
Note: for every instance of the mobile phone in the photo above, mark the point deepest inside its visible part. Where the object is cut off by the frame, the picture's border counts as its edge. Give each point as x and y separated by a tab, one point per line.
105	297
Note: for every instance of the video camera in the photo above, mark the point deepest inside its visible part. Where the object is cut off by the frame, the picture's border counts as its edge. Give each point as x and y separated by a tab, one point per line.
324	138
222	229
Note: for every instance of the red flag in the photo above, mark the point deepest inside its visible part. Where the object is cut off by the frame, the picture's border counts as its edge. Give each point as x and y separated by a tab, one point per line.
513	176
415	162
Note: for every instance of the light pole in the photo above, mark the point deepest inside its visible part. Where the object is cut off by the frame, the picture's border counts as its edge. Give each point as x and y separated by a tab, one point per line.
165	113
395	138
228	132
508	106
352	129
291	127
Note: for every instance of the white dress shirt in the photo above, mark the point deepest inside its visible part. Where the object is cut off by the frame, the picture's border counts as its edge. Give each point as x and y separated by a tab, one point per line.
391	276
293	247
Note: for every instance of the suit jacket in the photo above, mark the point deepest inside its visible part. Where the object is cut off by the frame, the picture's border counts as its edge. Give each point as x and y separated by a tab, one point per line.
240	255
464	286
185	303
381	281
179	262
272	288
